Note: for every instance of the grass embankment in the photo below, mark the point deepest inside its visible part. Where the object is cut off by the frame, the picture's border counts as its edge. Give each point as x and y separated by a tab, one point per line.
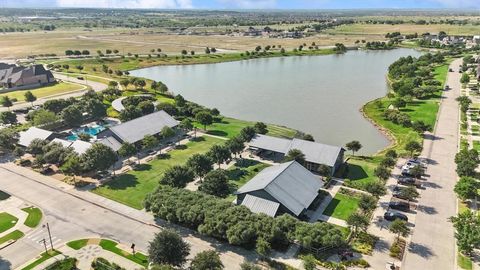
55	89
43	257
7	221
34	216
342	206
464	262
132	187
419	110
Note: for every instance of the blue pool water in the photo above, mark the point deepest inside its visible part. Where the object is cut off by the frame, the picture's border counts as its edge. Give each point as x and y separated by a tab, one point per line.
92	131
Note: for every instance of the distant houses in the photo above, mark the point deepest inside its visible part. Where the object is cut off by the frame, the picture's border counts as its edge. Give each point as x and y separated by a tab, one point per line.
135	130
285	188
13	77
316	154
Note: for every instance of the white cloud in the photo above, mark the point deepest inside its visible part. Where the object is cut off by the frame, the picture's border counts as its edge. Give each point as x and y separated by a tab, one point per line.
126	3
249	4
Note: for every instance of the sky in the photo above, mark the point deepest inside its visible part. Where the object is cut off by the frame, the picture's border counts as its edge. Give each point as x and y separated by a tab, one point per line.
248	4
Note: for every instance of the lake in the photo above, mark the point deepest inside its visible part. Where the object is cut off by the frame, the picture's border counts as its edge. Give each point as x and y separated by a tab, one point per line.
319	95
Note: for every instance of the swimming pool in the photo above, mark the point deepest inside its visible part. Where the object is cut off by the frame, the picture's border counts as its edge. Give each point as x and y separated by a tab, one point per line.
90	130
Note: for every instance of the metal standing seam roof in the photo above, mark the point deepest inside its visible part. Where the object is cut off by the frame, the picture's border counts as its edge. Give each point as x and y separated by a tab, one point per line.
80	146
111	142
314	152
289	183
63	142
150	124
26	137
260	205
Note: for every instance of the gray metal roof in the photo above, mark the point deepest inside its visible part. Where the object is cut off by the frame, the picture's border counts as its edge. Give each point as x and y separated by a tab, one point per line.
314	152
260	205
289	183
63	142
80	146
26	137
150	124
111	142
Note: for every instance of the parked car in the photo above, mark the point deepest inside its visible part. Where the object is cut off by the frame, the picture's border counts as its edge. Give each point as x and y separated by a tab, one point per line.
398	205
450	70
418	161
409	181
391	216
151	152
80	78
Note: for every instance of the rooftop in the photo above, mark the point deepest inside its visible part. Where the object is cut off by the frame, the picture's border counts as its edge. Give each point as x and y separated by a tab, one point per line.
26	137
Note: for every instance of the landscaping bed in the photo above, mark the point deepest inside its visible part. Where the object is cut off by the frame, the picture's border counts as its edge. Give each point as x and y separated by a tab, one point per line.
34	216
65	264
7	221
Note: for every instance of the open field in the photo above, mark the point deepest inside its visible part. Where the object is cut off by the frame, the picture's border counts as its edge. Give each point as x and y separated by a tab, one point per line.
382	29
56	89
132	187
341	206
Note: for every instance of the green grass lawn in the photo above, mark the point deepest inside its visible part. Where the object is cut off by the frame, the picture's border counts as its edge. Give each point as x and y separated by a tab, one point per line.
43	257
423	110
476	145
341	206
34	216
58	88
7	221
230	127
132	187
111	246
4	196
15	235
77	244
464	262
240	173
359	172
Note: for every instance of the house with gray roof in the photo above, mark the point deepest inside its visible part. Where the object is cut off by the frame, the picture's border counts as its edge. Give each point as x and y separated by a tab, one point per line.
135	130
13	77
26	137
285	188
316	154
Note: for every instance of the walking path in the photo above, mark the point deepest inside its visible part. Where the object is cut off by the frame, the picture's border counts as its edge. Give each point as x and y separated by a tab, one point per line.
432	244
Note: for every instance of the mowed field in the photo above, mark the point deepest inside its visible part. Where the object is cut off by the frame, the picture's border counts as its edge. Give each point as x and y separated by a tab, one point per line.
19	45
382	29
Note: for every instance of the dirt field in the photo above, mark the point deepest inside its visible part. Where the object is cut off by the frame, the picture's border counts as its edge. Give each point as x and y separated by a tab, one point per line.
382	29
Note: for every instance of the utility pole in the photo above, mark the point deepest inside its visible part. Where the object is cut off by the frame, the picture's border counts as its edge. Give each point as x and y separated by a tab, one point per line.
49	235
44	244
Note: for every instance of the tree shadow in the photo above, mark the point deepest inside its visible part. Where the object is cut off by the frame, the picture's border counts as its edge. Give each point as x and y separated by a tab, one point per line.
164	156
122	182
181	147
142	167
431	185
355	172
421	250
198	139
431	137
331	207
427	209
219	133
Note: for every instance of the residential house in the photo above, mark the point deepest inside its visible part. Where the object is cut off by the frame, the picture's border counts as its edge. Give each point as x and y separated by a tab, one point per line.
14	77
285	188
26	137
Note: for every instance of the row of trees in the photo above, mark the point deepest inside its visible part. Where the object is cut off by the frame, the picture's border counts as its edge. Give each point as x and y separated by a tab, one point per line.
237	224
77	52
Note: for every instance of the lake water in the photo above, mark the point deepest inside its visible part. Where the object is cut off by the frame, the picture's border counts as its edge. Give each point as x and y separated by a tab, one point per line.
319	95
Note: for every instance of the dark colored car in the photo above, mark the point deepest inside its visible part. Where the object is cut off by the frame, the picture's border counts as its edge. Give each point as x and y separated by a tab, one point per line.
391	216
80	78
409	181
401	206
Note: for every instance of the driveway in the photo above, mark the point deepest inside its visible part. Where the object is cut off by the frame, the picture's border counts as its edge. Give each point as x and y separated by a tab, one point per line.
432	244
74	214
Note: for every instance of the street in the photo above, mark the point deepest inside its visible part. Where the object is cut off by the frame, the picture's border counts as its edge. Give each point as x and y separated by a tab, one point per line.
74	214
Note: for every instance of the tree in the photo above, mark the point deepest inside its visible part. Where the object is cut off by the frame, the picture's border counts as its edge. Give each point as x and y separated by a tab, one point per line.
72	116
96	109
215	183
8	139
125	83
206	260
309	262
249	266
127	150
180	101
149	142
72	165
466	226
168	248
146	107
43	117
235	145
177	176
382	172
200	165
391	154
29	97
186	124
465	78
400	228
399	103
7	102
247	134
413	146
376	188
295	154
204	118
113	84
80	68
260	128
168	108
466	188
409	193
417	171
263	247
464	102
8	118
354	146
357	221
467	161
219	154
167	132
367	203
98	157
36	146
308	137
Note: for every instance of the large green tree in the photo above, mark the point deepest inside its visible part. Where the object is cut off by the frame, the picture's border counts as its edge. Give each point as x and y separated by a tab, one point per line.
206	260
467	231
354	146
8	118
8	139
215	183
357	221
219	154
127	150
30	97
399	227
168	248
297	155
72	116
177	176
413	146
98	157
466	188
6	102
200	164
204	118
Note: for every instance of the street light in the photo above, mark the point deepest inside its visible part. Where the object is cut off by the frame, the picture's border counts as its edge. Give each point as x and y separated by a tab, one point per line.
49	234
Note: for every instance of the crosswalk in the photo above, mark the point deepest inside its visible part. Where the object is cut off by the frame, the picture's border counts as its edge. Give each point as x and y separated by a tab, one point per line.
36	237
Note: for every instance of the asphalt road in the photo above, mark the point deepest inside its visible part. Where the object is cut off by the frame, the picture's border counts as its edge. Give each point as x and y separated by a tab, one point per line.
432	244
74	214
